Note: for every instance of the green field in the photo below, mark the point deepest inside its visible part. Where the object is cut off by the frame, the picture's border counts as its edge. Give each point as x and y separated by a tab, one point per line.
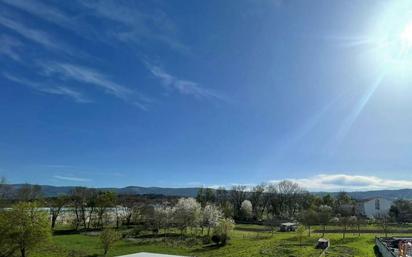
244	243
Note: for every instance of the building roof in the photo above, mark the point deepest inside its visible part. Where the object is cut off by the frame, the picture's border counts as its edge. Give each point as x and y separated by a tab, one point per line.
372	199
288	224
149	255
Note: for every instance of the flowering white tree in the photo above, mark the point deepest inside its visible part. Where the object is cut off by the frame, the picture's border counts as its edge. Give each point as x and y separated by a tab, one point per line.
162	217
210	217
168	213
223	230
246	209
157	217
187	213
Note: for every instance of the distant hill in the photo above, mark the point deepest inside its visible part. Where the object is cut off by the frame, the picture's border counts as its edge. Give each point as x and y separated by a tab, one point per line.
389	194
50	191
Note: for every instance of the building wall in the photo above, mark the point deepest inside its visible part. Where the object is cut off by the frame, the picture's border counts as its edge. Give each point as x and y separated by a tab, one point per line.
376	207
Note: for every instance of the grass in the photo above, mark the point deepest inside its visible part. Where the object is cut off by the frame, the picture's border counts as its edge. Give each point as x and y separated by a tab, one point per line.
255	242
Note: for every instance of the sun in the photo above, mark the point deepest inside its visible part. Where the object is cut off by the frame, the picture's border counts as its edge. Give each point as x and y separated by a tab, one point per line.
390	39
406	35
394	47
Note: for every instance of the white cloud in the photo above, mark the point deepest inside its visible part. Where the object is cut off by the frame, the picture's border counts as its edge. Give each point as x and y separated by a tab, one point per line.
76	179
185	87
90	76
337	182
54	90
9	46
35	35
56	16
87	75
139	27
40	37
42	10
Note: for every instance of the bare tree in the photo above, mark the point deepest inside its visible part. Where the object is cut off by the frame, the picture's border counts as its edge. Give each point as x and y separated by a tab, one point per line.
205	196
237	195
55	205
289	194
84	203
258	200
221	196
272	198
29	192
104	200
128	204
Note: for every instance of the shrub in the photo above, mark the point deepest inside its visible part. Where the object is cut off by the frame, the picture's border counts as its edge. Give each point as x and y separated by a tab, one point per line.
207	240
108	237
137	231
73	253
216	239
223	239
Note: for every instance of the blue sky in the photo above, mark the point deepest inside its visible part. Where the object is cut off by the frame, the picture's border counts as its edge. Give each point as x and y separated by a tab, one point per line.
189	93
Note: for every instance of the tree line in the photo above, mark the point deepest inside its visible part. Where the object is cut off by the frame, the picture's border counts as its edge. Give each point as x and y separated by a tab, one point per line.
285	200
213	213
26	223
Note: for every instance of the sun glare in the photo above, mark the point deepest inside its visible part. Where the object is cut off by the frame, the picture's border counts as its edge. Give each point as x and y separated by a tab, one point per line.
393	40
406	35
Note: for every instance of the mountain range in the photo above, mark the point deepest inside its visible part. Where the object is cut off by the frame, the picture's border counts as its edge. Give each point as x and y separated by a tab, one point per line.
50	191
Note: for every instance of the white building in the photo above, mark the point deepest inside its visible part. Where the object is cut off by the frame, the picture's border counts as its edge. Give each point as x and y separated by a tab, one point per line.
374	207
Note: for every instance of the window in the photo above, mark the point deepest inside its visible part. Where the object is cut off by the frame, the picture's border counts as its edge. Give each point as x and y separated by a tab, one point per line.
377	204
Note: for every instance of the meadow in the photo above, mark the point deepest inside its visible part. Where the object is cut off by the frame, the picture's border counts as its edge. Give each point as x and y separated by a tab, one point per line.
246	241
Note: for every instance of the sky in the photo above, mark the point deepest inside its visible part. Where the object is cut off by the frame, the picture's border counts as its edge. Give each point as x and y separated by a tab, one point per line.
206	93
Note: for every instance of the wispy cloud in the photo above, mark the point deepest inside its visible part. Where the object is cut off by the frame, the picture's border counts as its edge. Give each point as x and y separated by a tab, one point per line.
9	46
37	36
337	182
90	76
137	26
76	179
87	75
53	90
185	87
43	11
56	166
51	13
44	39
